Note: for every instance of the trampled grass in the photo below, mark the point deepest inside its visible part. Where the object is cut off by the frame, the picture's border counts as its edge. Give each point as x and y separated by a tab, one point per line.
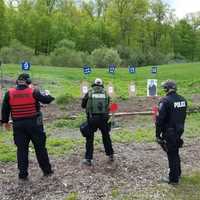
188	189
60	146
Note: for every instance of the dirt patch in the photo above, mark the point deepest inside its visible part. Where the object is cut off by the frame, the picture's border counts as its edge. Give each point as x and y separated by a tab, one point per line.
137	104
136	166
196	99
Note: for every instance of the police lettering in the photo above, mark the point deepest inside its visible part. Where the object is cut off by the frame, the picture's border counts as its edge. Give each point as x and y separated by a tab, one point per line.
99	96
180	104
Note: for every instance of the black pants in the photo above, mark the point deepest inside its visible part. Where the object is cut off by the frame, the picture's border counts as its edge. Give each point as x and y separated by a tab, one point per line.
174	161
174	165
24	132
98	122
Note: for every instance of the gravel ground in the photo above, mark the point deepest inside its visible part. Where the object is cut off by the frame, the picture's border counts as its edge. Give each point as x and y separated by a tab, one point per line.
136	166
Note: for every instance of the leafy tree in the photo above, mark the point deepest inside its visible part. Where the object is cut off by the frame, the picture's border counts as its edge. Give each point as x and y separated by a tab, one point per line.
102	57
184	40
3	27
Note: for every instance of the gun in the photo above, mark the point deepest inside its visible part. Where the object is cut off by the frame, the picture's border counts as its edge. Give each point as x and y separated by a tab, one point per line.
163	144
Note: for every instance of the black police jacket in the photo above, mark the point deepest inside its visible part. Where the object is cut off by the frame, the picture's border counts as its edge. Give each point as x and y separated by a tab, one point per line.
171	115
40	98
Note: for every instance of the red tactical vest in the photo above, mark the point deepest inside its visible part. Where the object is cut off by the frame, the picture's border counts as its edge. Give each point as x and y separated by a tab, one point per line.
22	103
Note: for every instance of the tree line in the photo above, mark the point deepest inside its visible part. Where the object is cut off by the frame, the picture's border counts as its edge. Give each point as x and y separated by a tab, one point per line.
96	32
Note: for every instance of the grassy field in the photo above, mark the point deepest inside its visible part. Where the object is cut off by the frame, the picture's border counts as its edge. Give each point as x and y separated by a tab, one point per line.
62	81
67	80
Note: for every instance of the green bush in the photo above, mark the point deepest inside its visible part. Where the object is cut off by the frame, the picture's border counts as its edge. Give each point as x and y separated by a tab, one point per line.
102	57
41	60
65	57
16	53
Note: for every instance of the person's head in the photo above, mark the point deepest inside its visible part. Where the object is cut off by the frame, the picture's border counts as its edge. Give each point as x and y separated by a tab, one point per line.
152	82
98	82
169	86
23	79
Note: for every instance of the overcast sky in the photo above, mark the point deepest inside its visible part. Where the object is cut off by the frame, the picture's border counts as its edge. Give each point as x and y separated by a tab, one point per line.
183	7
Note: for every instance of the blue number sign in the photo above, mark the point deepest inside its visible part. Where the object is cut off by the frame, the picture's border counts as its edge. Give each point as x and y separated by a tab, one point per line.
132	69
112	68
154	70
86	69
26	66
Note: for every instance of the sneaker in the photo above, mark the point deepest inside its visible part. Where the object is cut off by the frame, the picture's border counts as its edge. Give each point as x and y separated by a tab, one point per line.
49	173
166	180
87	162
111	158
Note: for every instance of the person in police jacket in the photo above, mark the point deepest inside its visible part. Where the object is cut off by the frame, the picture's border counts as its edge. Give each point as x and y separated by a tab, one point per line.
170	127
23	103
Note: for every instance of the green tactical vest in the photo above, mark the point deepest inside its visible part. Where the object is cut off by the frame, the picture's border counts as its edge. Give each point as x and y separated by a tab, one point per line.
97	101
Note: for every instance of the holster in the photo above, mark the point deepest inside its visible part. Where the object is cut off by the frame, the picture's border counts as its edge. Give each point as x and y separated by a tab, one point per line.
85	129
39	119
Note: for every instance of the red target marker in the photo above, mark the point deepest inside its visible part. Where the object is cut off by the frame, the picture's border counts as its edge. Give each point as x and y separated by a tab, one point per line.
113	107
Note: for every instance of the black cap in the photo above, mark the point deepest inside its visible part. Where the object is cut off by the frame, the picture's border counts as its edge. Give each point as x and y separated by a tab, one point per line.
24	77
169	85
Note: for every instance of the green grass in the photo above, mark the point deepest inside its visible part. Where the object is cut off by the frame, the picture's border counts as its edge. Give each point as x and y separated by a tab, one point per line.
115	193
192	128
60	80
7	147
72	196
127	136
69	123
188	189
61	146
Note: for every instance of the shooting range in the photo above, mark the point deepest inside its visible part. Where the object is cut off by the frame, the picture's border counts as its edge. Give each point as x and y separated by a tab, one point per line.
133	47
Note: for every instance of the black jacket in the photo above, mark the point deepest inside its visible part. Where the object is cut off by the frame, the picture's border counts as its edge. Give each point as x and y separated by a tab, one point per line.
6	109
172	114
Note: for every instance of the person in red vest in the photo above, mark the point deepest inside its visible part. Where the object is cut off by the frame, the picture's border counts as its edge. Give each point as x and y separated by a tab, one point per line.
23	103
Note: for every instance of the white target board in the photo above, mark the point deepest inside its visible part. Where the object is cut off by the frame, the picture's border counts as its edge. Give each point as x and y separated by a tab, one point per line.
152	87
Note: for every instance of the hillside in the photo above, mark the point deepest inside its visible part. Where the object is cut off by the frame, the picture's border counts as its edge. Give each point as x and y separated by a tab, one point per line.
60	80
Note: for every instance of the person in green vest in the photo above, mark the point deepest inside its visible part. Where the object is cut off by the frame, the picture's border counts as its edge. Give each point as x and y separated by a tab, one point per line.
96	102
